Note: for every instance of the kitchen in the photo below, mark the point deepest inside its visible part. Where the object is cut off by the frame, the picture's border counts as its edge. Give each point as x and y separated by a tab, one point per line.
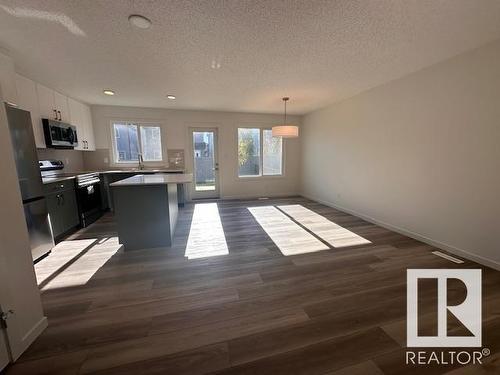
73	153
49	133
46	120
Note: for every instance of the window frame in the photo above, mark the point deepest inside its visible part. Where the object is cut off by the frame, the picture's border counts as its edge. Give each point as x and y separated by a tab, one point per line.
139	124
261	174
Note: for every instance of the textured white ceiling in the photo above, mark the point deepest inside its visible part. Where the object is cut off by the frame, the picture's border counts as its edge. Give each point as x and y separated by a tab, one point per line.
236	55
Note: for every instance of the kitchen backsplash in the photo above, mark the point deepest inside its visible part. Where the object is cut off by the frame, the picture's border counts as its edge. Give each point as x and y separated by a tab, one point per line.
176	158
96	160
100	159
77	161
72	159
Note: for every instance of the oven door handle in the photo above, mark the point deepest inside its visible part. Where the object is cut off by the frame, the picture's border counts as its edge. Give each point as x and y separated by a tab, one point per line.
87	183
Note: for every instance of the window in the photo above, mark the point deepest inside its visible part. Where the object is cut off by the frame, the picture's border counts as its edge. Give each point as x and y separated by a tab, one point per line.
271	155
131	139
151	143
126	143
256	158
249	152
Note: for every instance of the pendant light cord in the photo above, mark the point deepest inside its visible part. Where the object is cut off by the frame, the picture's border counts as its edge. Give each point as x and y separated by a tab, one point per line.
285	99
285	112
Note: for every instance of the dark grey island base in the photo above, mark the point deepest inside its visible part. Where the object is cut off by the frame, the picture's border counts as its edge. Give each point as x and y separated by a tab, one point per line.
146	209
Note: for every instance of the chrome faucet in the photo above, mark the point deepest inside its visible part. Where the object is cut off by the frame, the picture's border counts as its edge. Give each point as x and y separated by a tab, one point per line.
141	162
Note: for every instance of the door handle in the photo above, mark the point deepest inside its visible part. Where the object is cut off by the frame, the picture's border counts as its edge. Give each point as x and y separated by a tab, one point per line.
55	112
60	117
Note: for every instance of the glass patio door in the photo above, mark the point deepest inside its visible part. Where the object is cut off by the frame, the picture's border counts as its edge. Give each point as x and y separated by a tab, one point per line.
205	163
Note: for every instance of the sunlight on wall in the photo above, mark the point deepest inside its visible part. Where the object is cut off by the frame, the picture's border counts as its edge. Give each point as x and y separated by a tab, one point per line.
73	263
206	236
325	229
290	238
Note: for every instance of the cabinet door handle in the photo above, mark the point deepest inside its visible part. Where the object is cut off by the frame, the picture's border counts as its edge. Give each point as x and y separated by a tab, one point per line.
55	113
62	199
60	117
86	145
58	199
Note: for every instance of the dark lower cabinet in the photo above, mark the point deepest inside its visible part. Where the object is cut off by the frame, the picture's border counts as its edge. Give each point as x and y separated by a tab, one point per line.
63	210
109	178
107	193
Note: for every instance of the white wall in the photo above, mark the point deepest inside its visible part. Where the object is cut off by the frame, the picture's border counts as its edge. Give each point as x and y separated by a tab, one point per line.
175	124
420	154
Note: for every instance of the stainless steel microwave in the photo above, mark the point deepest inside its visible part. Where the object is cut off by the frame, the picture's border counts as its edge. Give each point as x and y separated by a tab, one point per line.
59	134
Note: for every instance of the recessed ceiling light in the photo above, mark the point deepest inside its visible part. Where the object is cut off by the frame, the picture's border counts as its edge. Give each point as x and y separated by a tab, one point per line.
109	92
171	97
139	21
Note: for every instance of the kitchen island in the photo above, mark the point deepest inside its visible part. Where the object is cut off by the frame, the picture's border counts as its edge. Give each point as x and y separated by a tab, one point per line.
146	209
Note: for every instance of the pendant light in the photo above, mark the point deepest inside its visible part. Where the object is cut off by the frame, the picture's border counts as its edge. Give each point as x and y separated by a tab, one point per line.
286	130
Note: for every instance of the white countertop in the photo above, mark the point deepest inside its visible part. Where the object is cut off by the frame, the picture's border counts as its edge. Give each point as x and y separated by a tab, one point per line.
142	171
71	175
155	179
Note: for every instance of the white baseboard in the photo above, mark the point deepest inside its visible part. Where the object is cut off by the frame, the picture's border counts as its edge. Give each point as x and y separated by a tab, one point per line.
32	334
443	246
251	196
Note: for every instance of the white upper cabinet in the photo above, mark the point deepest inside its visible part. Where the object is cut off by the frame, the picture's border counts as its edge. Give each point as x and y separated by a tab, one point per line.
61	105
46	102
82	119
8	89
52	104
89	135
76	114
28	100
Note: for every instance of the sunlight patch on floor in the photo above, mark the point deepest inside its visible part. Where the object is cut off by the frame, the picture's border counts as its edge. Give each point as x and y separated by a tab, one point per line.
73	263
290	238
206	236
325	229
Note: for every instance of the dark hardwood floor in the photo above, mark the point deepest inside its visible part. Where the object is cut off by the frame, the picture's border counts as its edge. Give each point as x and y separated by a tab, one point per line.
251	311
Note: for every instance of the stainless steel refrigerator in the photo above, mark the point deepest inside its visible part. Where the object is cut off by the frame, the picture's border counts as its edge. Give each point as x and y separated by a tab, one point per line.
30	181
